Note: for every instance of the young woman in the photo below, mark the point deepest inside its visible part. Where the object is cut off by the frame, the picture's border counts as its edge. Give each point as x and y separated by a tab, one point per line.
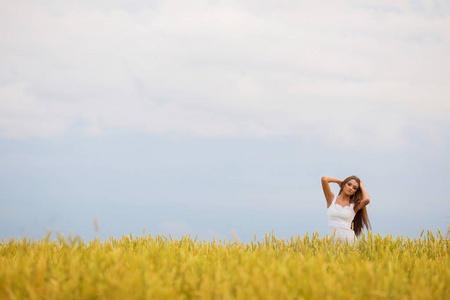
347	213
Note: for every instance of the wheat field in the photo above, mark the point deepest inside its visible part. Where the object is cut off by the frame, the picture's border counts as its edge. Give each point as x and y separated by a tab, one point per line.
160	267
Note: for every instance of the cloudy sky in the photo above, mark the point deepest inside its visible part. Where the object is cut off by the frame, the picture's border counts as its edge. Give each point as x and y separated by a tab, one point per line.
204	117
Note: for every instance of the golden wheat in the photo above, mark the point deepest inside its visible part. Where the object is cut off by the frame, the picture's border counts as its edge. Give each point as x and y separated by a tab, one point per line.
156	267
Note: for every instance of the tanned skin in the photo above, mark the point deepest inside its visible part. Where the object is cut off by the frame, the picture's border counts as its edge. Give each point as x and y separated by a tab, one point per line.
347	191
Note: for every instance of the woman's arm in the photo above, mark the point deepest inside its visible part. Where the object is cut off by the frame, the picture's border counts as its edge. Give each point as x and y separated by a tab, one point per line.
326	187
365	198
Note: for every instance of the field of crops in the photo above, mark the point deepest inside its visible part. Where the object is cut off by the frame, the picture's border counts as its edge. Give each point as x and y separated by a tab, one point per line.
159	267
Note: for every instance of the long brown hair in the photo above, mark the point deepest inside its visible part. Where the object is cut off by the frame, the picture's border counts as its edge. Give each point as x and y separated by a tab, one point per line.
361	218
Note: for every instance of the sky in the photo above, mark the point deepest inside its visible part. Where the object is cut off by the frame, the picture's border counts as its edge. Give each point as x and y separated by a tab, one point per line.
205	117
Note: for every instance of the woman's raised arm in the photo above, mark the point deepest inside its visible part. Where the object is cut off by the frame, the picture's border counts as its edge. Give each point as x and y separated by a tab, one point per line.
365	198
326	188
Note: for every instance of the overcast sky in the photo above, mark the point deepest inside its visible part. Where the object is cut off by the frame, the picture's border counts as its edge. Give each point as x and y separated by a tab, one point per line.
206	116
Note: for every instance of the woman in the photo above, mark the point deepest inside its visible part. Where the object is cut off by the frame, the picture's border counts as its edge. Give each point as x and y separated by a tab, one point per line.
347	213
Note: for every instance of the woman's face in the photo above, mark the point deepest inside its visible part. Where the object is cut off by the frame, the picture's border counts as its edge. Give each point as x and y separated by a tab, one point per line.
351	187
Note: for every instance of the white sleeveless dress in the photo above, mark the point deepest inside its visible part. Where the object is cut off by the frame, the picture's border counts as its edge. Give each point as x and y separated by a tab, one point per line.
340	221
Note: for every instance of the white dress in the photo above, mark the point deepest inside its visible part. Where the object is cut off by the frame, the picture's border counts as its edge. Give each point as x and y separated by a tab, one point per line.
340	221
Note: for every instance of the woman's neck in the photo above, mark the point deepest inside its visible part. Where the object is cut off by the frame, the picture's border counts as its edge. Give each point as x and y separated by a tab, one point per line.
345	197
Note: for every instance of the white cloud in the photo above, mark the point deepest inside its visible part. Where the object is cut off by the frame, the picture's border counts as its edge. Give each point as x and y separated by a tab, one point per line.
355	75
